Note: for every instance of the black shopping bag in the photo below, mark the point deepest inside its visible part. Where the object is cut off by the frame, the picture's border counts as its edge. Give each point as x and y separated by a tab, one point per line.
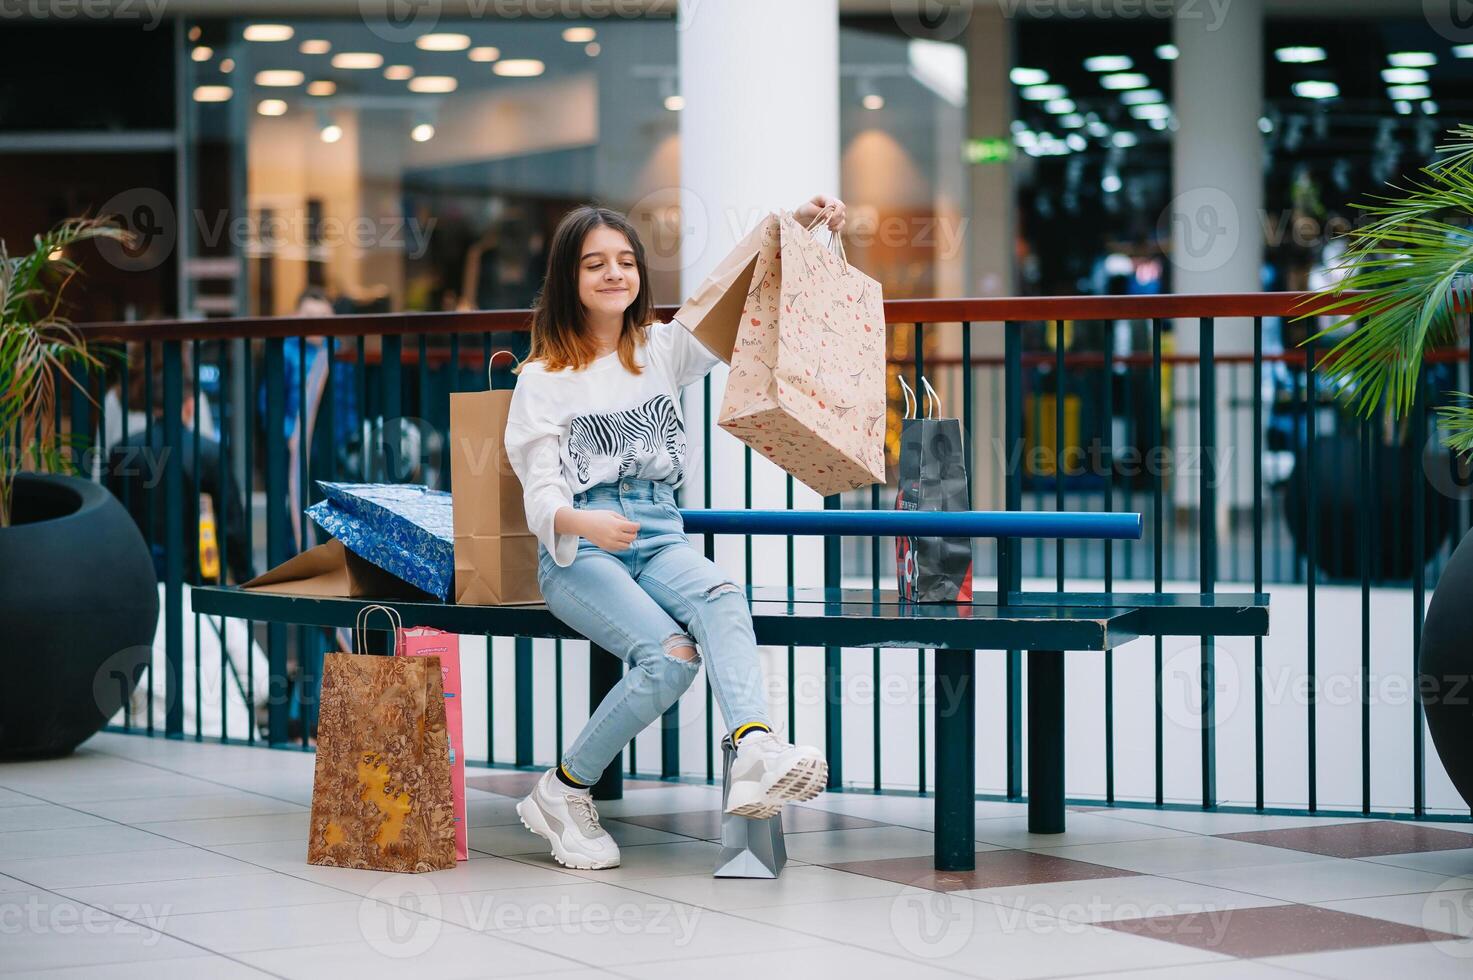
933	476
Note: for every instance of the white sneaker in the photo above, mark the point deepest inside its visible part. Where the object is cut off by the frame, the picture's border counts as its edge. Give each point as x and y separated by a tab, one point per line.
566	819
768	772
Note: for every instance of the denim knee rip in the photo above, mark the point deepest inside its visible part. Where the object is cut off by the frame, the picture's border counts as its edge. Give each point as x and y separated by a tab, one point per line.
722	588
676	641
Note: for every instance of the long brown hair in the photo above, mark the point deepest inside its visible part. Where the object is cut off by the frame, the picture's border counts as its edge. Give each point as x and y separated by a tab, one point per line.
559	320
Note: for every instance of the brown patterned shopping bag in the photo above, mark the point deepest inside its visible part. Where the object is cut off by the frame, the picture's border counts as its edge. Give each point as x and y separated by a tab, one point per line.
381	796
804	333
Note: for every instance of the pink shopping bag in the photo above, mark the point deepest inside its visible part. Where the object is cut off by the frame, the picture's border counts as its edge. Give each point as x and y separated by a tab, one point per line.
422	641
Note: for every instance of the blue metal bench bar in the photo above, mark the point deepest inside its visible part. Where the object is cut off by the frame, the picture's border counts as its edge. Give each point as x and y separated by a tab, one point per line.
960	524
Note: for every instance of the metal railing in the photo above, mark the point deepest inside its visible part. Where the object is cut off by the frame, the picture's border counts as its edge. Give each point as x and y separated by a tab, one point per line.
1076	400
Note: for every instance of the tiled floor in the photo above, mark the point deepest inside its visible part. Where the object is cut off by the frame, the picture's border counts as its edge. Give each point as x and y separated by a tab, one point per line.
147	858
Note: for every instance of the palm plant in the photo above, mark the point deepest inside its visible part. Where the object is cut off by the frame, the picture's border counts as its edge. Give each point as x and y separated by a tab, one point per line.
1406	274
40	351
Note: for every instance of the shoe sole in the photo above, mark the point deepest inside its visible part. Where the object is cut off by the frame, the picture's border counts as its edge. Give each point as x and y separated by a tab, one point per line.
531	815
807	779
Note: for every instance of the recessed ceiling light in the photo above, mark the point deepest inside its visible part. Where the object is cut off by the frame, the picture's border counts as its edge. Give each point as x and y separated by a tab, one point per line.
442	42
315	46
1124	81
357	60
1059	107
1412	59
579	35
1072	121
871	101
1124	140
1413	92
212	93
1075	142
1265	125
1463	51
1404	76
432	83
268	32
422	133
1043	93
1157	124
1097	128
1142	96
592	49
1429	108
271	107
227	65
331	133
1157	111
1108	62
1167	52
1300	55
202	53
1028	76
322	87
1316	89
398	73
279	78
519	67
1404	108
677	102
194	33
486	53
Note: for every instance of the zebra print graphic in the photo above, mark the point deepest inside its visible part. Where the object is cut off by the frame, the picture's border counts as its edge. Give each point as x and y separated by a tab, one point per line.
631	437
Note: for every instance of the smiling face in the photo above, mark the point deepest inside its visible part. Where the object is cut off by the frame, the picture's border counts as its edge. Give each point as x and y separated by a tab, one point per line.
608	273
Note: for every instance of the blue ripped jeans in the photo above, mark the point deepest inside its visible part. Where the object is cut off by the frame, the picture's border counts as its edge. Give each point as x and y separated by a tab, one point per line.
639	605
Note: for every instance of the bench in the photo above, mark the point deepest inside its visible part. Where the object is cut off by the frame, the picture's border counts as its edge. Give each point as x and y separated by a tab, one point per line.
1043	624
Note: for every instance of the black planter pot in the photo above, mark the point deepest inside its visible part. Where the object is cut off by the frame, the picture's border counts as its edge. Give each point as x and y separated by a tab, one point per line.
1397	471
78	606
1445	668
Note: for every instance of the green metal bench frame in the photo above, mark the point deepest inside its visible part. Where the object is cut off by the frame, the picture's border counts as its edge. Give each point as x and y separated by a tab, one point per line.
1044	624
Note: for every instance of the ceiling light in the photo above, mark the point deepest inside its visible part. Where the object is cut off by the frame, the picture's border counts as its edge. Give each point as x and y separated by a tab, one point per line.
1110	183
1157	111
518	67
1124	81
194	33
1463	51
1412	59
1028	76
331	133
271	107
1043	93
398	73
1075	142
1108	62
358	60
315	46
1167	52
279	78
212	93
592	49
1317	89
268	32
486	53
1300	55
202	53
1142	96
1403	76
322	87
1072	121
1404	108
1157	124
1124	140
1412	92
1429	107
579	35
1097	128
432	83
227	65
1265	125
1059	107
677	102
422	133
442	42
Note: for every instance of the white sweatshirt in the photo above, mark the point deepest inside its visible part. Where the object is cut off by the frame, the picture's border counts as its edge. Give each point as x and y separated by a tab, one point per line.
570	430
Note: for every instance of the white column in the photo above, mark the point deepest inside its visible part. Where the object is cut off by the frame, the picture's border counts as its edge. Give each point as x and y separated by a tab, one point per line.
1215	214
759	131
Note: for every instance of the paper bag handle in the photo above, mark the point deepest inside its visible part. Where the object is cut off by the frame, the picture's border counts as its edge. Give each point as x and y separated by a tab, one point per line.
933	400
910	398
491	363
360	628
836	241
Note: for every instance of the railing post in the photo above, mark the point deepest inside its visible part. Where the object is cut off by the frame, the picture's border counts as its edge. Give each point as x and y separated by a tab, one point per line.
833	665
1207	516
277	527
173	404
1010	558
523	667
